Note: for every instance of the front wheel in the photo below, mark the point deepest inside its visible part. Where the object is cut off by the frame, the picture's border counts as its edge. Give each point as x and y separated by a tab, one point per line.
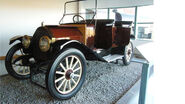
16	69
66	74
128	54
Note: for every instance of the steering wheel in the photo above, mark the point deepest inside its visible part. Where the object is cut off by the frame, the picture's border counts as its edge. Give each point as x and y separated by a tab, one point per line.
77	15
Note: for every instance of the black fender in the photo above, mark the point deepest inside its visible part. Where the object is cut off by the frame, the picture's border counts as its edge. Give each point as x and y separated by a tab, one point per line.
24	58
13	39
88	53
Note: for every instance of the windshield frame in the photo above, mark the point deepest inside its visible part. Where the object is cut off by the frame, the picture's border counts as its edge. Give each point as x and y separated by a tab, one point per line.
68	2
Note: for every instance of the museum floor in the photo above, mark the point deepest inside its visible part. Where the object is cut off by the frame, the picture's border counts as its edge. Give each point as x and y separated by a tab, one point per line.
105	83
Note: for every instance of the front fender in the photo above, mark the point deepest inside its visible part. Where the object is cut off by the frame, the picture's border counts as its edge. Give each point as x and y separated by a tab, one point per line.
88	53
13	39
69	42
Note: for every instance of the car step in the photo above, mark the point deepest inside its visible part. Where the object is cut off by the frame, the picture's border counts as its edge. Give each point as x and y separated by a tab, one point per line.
110	58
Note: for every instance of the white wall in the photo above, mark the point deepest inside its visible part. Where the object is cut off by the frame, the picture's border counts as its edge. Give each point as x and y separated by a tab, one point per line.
20	17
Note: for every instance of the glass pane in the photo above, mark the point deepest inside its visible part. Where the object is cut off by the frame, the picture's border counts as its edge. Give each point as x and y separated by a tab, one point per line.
145	14
89	16
127	14
70	9
101	14
145	31
145	21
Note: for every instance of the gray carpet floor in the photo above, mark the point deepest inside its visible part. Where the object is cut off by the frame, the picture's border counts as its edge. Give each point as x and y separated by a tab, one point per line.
105	83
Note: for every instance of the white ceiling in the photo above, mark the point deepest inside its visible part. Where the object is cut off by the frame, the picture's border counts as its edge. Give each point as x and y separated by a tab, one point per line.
115	3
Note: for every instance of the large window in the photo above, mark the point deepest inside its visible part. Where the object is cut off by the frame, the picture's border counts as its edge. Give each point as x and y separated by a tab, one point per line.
145	19
142	18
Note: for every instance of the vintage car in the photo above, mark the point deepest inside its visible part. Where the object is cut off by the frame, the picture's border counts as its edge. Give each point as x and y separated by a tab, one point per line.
60	51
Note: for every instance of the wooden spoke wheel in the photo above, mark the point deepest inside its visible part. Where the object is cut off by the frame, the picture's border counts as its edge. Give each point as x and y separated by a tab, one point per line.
16	69
128	54
66	74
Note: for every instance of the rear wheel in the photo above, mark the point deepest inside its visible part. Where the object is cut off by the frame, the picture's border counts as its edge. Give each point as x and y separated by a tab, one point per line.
16	69
128	54
66	74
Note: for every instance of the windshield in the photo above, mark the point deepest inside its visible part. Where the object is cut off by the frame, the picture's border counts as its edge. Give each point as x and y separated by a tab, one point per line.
76	11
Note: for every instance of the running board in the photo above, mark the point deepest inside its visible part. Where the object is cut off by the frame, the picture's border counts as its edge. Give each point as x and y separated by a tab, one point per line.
111	58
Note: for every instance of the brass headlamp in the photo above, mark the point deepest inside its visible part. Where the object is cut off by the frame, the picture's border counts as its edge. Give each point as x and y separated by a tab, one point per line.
26	41
44	43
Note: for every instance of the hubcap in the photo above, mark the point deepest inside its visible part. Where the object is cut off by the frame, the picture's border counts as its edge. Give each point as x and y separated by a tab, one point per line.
128	52
72	75
68	74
